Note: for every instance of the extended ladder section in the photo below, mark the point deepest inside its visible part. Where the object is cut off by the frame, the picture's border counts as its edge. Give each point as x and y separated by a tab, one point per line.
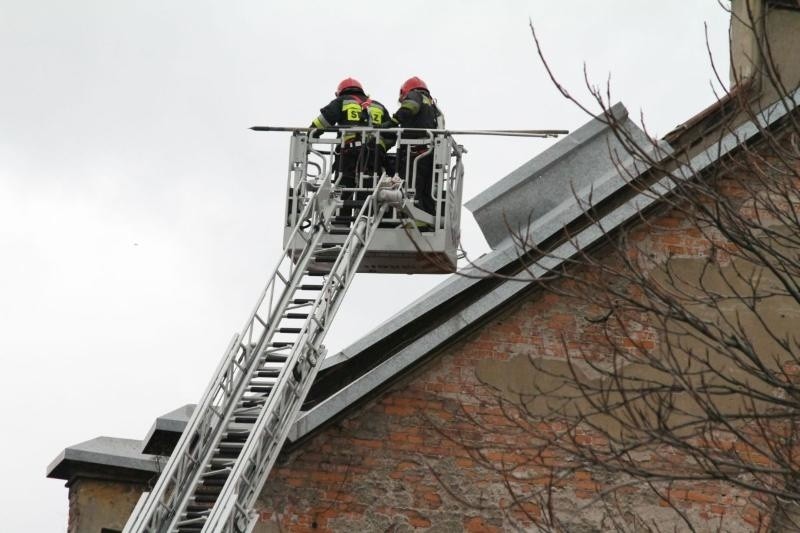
224	456
221	461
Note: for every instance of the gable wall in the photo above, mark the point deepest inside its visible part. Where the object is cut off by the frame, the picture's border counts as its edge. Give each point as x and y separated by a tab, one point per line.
404	461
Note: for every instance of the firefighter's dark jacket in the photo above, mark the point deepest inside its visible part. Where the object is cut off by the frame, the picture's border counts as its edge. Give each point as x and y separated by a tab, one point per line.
417	110
354	108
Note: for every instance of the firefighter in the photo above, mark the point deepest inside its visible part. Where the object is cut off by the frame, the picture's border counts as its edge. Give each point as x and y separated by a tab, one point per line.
418	110
352	107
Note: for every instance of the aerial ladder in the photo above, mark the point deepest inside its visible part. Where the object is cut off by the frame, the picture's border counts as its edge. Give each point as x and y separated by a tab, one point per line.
230	443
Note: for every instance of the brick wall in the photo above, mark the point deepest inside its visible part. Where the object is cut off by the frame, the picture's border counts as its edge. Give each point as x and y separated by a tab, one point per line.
400	462
430	453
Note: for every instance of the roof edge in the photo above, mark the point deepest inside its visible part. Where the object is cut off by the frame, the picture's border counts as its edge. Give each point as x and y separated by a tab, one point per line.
546	159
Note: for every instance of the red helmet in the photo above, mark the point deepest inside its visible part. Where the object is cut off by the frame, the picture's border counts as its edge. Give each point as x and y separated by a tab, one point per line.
411	84
348	83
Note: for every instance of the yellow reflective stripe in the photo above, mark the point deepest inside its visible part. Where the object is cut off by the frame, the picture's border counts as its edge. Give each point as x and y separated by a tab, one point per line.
320	122
411	105
376	115
383	143
352	111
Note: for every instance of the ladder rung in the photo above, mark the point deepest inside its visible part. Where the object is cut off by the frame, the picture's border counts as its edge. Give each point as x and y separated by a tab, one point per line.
227	454
296	316
263	380
276	358
208	490
244	411
302	301
236	436
230	445
281	344
259	388
192	521
309	287
198	508
202	498
251	402
315	274
214	482
220	472
289	330
236	426
339	231
271	373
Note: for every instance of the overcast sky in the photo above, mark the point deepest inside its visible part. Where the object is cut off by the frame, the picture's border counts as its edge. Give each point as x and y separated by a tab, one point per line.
139	216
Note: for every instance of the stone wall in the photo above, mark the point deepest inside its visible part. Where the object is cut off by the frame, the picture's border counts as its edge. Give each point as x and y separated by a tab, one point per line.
97	504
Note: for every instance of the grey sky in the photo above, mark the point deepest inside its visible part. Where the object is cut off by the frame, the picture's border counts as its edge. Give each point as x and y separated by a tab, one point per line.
139	216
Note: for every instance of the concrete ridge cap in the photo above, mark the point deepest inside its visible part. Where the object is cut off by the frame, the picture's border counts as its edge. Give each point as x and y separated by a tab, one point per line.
173	421
106	451
546	159
569	209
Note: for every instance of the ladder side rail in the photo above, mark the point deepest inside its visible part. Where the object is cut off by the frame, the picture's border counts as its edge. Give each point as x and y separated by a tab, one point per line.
270	442
298	192
293	402
160	505
308	212
273	424
409	174
298	157
154	509
449	186
230	408
292	281
326	157
440	163
137	511
298	177
412	179
457	186
448	158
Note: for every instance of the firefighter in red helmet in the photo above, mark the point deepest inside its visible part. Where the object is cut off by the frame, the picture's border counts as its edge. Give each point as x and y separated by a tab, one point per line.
418	110
352	107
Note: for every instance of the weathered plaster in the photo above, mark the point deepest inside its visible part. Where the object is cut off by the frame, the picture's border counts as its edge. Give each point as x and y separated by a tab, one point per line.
96	504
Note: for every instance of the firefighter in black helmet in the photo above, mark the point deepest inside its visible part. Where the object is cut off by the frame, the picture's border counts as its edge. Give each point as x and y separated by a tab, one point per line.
418	110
